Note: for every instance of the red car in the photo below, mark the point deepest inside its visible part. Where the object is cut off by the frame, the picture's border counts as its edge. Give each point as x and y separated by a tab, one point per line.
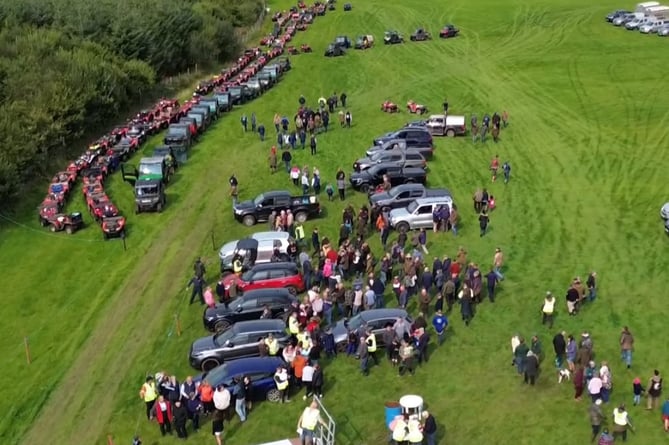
268	276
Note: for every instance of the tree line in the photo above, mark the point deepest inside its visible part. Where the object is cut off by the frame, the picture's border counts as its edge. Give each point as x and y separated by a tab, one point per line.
69	65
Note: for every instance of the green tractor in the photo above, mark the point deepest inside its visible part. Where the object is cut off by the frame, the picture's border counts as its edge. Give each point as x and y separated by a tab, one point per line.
149	181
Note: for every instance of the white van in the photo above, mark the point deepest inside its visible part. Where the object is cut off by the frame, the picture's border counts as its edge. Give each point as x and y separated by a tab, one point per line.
641	7
652	26
658	11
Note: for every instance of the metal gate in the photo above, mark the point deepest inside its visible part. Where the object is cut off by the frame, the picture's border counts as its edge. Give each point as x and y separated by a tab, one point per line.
326	433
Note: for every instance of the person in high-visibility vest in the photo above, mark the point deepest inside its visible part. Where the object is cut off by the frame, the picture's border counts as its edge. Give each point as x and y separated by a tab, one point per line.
237	265
281	380
401	430
415	435
293	324
548	309
620	422
371	346
272	344
149	394
299	234
309	420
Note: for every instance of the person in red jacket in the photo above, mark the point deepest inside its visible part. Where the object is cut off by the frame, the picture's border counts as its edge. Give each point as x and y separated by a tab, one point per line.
162	411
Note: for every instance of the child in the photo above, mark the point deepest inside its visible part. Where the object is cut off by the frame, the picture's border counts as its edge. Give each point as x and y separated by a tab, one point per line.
491	203
638	390
330	191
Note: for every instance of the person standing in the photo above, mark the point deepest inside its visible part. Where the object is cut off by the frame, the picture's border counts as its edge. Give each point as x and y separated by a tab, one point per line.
484	219
261	132
531	368
498	263
317	380
239	392
560	348
206	396
363	354
595	387
429	428
406	354
198	288
348	119
453	220
286	157
626	346
637	390
491	283
506	168
149	394
342	99
312	144
222	400
281	381
548	309
520	355
654	390
621	422
245	122
272	159
253	122
233	188
440	323
180	414
307	423
341	183
596	418
162	411
591	283
194	406
217	427
371	346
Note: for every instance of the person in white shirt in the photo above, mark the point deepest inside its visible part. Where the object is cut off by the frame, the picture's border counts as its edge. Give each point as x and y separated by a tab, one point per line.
307	379
595	387
222	399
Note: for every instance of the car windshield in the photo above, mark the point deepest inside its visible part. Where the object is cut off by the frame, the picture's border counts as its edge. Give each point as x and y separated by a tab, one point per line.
394	191
355	322
412	207
217	375
153	168
259	199
147	190
224	336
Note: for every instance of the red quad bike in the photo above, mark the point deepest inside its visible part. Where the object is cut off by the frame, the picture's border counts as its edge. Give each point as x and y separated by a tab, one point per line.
415	108
301	26
113	227
292	51
305	48
69	223
64	176
389	107
47	211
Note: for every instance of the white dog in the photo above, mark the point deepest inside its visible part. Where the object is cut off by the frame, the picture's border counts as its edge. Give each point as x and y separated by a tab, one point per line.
564	374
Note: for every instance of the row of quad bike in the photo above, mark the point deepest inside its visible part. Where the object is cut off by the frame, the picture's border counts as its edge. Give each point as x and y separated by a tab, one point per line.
412	107
104	156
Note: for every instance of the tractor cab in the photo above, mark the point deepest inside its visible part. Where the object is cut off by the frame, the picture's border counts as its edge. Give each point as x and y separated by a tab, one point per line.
149	195
153	168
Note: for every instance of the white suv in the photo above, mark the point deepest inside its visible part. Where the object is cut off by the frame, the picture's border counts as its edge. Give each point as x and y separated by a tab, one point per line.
418	214
651	27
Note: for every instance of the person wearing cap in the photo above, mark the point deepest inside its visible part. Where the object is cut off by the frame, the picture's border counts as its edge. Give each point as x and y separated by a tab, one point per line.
548	309
429	428
596	418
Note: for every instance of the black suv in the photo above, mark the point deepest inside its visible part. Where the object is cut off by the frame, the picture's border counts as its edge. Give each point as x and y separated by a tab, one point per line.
249	306
242	340
373	176
414	137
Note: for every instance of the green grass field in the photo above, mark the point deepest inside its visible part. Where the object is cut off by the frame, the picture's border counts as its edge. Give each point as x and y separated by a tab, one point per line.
588	126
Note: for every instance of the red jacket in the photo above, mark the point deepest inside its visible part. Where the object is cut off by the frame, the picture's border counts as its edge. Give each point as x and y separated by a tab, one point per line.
159	412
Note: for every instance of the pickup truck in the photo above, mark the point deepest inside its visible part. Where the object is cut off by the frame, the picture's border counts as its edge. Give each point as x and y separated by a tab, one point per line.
259	209
372	177
446	125
403	195
426	149
403	158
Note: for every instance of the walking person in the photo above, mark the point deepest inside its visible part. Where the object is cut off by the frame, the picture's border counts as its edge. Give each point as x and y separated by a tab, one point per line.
217	427
342	99
233	188
312	144
371	346
506	168
498	263
637	390
261	132
560	348
591	283
363	354
180	413
440	323
198	288
505	118
239	391
149	394
253	122
453	220
307	423
286	157
272	159
341	183
654	390
484	219
348	119
665	415
596	418
245	122
621	422
531	368
626	346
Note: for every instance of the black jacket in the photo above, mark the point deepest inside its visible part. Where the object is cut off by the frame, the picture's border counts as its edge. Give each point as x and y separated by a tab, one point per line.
180	414
430	426
532	365
559	345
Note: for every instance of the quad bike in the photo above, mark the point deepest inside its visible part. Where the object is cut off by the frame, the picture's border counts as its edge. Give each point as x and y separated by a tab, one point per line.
415	108
113	227
69	223
389	107
305	48
292	51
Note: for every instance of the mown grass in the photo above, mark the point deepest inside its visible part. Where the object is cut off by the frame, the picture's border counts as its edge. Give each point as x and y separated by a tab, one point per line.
585	141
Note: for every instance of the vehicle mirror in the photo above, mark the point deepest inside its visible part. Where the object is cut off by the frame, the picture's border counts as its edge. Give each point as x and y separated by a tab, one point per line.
239	308
229	344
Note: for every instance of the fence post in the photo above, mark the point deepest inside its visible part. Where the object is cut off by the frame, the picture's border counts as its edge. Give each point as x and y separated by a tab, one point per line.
178	323
26	343
213	242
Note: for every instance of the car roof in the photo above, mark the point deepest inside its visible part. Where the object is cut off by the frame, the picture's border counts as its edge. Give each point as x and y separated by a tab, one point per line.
152	160
434	200
262	325
375	314
253	364
247	243
263	236
265	293
277	265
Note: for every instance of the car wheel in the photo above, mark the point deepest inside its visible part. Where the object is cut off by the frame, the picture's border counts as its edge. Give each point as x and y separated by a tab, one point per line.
292	290
273	395
249	220
221	326
364	188
450	133
159	207
402	227
209	364
301	217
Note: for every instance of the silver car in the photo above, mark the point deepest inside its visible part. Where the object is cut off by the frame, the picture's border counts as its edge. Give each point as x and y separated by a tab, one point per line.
406	158
418	214
266	243
663	31
651	27
623	19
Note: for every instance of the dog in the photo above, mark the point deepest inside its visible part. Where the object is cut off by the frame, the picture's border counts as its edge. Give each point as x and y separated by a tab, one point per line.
564	375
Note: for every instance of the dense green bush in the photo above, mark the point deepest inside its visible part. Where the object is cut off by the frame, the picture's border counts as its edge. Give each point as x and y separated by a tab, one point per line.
67	65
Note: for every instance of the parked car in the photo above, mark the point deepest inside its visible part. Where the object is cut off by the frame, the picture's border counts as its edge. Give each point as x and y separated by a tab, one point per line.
224	100
249	306
403	158
240	341
373	176
418	214
342	41
268	276
260	208
266	242
623	19
636	23
334	51
404	194
364	42
448	31
414	137
374	319
615	14
663	31
446	125
664	211
420	35
392	38
259	369
426	149
652	26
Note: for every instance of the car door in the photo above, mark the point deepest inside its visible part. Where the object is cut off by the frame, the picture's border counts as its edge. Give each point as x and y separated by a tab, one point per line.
248	309
239	347
403	198
417	193
277	278
423	216
261	382
395	175
263	211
